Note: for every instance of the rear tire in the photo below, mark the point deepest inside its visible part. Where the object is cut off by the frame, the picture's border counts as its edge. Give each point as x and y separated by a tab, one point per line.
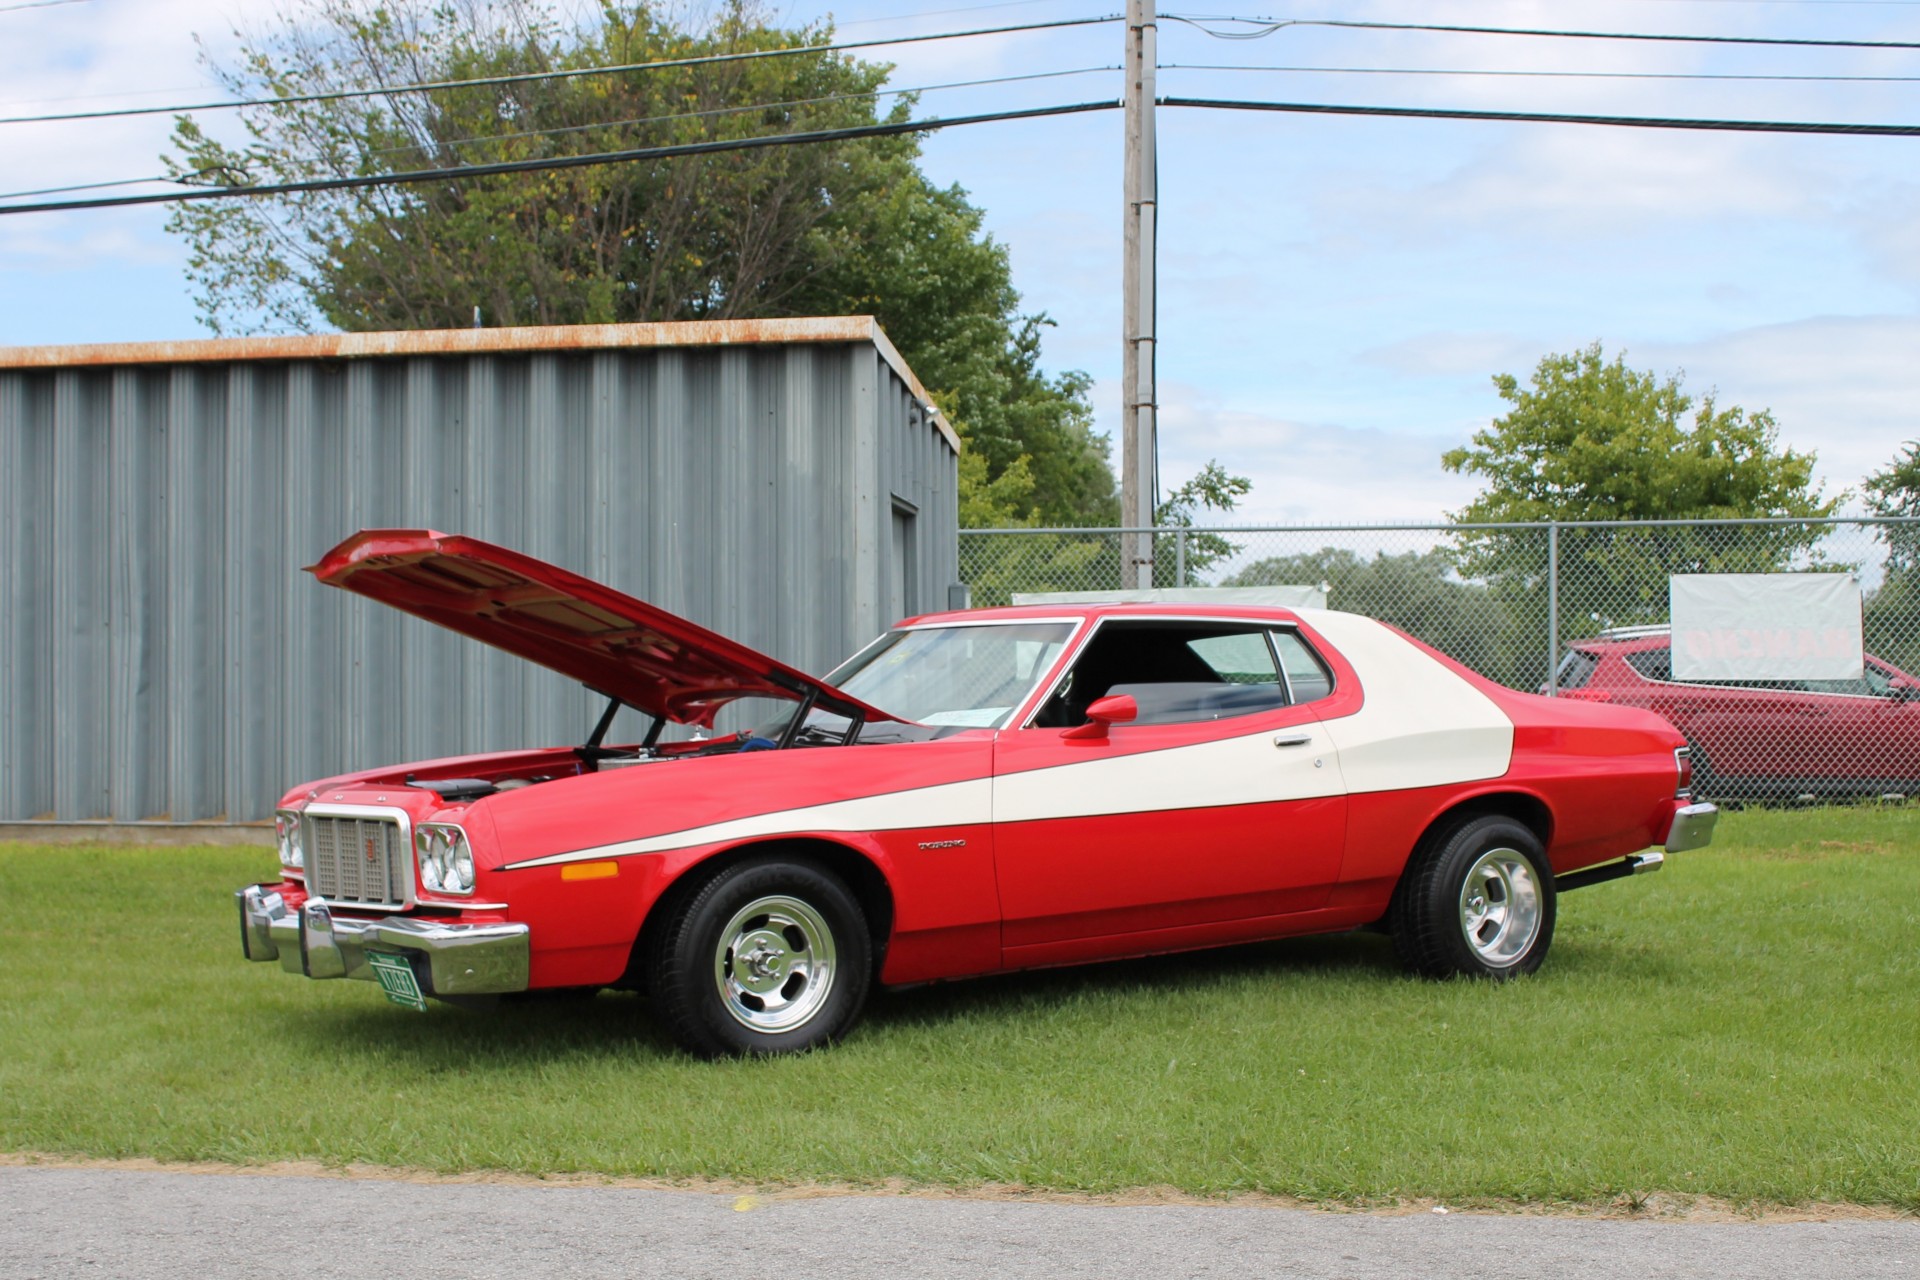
771	955
1477	900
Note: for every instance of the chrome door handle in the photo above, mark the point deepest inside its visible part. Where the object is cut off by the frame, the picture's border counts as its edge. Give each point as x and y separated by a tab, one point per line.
1292	739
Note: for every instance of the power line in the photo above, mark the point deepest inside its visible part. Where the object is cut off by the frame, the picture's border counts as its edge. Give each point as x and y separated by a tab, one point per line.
37	4
1271	26
1548	75
1557	117
1001	4
609	124
617	124
562	162
748	109
569	74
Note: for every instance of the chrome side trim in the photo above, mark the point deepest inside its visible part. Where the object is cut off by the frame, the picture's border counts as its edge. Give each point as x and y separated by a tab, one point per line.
1692	828
462	959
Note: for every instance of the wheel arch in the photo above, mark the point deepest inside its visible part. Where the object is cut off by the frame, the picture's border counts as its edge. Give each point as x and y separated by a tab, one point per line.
862	876
1523	807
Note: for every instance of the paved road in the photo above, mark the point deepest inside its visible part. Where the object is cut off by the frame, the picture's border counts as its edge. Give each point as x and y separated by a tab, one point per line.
58	1222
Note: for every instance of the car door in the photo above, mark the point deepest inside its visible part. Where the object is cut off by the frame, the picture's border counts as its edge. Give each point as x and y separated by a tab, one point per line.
1869	736
1222	802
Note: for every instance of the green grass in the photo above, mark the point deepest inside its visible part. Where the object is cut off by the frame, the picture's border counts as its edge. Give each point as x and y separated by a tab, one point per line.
1743	1025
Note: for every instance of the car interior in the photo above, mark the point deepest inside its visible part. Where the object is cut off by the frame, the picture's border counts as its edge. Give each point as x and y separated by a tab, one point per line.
1178	672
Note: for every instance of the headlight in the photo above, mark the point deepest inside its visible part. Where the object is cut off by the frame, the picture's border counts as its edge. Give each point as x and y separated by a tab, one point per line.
426	851
286	834
445	859
460	867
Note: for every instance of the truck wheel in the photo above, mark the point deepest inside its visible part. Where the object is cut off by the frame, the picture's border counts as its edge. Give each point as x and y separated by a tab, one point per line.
1476	901
769	956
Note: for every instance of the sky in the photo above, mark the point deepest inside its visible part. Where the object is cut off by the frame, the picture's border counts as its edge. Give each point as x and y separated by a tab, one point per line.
1336	294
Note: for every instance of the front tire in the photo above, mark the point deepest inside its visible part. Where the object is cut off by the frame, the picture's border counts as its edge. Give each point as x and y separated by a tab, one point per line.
1477	901
769	956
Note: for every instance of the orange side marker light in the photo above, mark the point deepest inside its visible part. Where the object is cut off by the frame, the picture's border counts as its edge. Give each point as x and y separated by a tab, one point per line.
589	871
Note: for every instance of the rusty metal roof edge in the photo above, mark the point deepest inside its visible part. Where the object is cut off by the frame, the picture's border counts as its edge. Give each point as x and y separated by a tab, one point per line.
891	354
528	339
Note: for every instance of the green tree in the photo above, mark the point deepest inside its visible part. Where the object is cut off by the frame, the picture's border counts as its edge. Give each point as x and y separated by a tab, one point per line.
1211	489
1893	609
1894	491
1590	439
1416	591
849	227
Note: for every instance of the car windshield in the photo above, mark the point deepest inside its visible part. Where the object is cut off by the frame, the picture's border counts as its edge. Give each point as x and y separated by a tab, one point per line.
960	675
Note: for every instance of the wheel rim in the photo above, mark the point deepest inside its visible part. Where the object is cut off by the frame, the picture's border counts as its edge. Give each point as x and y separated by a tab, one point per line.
774	964
1501	906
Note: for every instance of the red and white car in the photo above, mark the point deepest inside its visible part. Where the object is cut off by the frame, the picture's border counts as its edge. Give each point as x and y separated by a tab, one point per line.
972	793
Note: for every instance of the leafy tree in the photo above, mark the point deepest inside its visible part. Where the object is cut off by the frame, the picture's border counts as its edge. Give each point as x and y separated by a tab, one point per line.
1213	489
1895	491
1893	610
1416	591
850	227
1590	439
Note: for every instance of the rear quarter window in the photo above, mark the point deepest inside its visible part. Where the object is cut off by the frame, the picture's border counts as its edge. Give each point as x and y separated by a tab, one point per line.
1654	664
1575	669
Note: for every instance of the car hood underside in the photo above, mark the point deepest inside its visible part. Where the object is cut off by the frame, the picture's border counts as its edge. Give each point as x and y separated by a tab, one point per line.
650	659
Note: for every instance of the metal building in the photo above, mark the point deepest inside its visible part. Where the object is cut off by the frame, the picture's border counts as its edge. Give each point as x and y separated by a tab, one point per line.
163	658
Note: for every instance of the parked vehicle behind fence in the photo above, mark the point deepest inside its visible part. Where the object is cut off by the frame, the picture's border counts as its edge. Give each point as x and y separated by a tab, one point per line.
1775	741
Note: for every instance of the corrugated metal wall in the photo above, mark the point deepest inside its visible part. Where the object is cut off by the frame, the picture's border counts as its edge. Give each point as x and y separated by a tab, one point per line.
162	655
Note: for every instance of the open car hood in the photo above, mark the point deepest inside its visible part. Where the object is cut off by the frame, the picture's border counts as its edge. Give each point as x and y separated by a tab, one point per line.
625	648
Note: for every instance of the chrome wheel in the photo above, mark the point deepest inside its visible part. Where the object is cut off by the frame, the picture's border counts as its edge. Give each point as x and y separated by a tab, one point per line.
1501	906
774	963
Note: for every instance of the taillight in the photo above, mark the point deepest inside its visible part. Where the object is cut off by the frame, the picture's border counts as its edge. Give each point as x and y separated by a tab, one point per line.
1683	761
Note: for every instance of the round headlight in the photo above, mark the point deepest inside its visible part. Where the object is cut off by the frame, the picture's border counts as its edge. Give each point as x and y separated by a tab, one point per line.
460	867
286	834
427	847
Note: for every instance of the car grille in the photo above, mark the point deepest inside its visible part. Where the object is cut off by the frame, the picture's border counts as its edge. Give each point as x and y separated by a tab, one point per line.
362	861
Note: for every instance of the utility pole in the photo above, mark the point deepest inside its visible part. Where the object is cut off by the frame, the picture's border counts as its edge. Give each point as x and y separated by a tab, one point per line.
1139	448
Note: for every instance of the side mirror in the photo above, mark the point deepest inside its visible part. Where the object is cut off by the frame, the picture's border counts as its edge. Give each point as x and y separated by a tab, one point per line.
1904	690
1103	715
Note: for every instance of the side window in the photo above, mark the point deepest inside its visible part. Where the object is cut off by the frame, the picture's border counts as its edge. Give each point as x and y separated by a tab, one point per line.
1575	669
1654	664
1865	687
1306	674
1237	659
1176	672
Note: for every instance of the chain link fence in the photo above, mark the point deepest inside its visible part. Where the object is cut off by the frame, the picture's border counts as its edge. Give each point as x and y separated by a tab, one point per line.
1578	609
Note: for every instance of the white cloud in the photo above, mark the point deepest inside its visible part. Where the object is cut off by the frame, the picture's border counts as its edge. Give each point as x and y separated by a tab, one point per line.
1845	386
1302	472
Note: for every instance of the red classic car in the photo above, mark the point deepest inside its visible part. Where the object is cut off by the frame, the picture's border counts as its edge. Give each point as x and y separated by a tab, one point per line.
1767	740
973	792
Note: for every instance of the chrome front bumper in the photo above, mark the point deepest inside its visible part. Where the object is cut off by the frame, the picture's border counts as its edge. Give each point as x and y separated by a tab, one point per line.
449	958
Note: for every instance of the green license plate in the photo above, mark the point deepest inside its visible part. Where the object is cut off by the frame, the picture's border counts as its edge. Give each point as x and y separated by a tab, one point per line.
396	979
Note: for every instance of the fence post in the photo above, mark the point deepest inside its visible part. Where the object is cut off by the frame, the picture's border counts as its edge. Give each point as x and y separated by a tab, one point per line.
1553	607
1180	559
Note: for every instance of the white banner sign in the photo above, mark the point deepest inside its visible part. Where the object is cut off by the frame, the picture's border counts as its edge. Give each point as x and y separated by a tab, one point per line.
1766	626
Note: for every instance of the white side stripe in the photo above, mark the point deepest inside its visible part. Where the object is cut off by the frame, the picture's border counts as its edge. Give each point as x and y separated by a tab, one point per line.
947	805
1248	769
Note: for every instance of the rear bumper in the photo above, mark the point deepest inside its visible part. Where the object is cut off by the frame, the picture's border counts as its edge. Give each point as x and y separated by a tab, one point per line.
1692	828
449	958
